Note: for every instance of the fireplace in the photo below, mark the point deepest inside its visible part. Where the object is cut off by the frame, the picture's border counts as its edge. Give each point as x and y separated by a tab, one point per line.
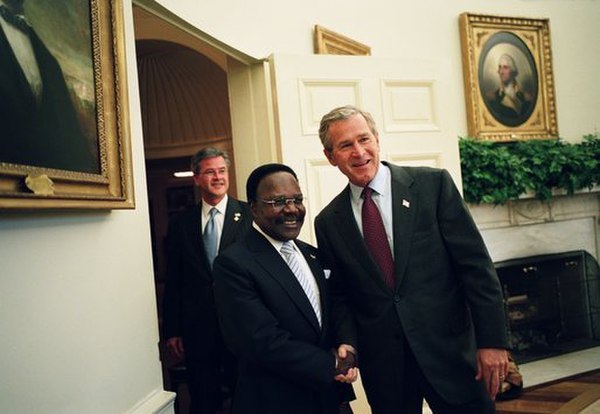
552	303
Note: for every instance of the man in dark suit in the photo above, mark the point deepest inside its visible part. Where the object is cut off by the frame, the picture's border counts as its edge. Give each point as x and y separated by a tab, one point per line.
190	319
427	317
274	310
40	126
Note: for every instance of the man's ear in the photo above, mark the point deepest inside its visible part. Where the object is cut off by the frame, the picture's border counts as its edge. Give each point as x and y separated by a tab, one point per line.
196	178
253	208
329	156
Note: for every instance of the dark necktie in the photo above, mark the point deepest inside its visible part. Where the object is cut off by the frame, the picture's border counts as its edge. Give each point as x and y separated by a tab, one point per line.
17	20
210	236
376	238
287	250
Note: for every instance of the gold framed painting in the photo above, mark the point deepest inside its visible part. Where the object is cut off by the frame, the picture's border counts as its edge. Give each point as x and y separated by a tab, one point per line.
508	79
327	42
63	106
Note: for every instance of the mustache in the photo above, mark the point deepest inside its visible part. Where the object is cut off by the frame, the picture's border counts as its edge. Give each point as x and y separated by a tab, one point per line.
298	217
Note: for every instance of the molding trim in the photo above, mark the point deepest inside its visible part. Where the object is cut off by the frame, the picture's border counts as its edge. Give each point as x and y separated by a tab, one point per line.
327	42
157	402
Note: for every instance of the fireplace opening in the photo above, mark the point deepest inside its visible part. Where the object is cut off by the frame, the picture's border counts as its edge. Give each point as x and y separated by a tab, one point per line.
552	303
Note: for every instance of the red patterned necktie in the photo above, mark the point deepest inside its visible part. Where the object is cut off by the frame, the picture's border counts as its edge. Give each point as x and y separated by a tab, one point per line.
376	238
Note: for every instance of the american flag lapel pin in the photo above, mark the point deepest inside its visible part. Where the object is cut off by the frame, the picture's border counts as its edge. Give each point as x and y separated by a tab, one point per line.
405	203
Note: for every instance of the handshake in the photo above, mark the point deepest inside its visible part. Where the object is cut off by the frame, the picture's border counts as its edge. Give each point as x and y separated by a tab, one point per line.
343	365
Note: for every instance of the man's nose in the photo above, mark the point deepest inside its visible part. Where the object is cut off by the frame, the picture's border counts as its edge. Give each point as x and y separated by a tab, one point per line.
357	149
290	205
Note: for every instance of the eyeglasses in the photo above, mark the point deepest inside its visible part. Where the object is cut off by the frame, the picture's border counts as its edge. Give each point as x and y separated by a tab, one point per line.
214	173
280	202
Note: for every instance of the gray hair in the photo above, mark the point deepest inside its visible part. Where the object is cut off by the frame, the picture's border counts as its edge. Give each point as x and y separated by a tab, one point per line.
208	152
338	114
510	62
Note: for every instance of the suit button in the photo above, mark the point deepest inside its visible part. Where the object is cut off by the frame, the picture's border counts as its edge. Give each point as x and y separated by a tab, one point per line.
396	298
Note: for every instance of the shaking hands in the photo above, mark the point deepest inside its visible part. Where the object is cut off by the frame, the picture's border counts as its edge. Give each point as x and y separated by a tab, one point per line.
346	368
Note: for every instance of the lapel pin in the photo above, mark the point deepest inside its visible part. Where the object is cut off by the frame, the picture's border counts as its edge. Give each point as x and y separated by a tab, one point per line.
312	256
236	216
405	203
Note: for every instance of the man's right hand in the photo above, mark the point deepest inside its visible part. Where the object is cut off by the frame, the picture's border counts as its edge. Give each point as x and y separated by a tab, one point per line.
346	364
175	346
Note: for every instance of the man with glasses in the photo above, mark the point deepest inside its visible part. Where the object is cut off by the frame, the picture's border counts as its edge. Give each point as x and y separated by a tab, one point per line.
273	305
193	240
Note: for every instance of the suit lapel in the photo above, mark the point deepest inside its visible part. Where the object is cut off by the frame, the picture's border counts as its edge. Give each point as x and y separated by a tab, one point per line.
232	222
193	230
352	237
276	267
319	275
404	207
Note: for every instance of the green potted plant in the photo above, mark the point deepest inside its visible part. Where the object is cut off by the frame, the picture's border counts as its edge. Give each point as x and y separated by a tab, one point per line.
498	172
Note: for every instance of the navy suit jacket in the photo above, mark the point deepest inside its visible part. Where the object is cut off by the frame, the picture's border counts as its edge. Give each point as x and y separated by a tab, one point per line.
189	305
285	360
447	300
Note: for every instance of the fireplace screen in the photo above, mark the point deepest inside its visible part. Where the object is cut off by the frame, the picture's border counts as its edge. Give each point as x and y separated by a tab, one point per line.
552	303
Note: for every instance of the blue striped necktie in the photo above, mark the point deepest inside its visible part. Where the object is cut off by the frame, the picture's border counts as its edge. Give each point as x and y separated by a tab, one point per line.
293	262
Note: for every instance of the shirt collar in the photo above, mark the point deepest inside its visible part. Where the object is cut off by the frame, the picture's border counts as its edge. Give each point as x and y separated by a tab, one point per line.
277	244
378	183
221	205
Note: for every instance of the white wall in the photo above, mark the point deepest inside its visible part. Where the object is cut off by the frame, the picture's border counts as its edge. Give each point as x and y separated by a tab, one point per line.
408	29
78	330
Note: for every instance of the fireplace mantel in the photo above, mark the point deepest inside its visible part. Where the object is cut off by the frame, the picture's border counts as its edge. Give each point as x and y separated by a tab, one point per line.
529	226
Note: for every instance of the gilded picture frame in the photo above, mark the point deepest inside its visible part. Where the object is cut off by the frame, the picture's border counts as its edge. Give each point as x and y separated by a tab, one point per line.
43	164
327	42
508	78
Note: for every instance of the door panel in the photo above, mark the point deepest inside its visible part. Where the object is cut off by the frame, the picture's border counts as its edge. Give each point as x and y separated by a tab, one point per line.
405	97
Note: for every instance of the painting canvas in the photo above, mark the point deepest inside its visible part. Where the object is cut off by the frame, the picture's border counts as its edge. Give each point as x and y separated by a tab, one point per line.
64	141
47	106
508	79
507	68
